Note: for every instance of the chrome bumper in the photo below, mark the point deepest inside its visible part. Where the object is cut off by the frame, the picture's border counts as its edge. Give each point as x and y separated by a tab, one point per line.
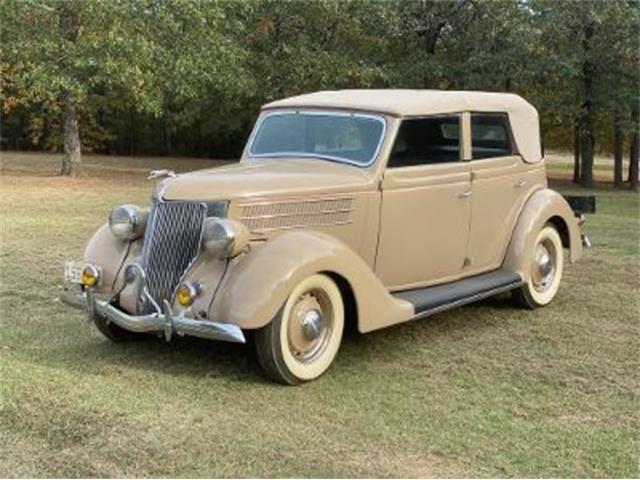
165	322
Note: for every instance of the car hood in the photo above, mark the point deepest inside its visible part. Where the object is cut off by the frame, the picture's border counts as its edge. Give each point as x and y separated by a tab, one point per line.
266	177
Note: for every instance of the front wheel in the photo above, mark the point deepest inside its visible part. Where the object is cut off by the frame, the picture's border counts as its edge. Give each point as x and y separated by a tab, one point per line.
302	340
547	262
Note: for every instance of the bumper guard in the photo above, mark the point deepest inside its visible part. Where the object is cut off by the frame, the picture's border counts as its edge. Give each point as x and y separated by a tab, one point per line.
165	322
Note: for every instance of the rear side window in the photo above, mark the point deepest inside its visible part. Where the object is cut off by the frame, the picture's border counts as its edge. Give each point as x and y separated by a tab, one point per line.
425	141
490	136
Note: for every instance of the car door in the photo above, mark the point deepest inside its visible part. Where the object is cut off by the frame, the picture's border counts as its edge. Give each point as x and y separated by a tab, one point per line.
500	181
426	205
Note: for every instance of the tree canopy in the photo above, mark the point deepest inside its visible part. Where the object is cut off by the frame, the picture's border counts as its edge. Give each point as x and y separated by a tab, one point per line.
186	77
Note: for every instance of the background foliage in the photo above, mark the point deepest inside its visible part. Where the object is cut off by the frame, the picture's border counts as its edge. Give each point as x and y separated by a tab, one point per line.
186	77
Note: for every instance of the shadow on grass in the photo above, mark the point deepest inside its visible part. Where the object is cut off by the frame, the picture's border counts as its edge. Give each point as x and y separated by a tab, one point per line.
199	358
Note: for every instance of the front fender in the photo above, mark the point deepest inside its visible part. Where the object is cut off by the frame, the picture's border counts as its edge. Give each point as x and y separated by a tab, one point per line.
108	252
112	255
256	287
543	206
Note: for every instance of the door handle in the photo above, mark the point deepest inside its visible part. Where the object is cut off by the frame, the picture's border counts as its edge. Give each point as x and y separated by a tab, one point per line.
465	194
520	183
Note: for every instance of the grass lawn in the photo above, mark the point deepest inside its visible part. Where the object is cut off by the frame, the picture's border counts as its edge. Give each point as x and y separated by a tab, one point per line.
486	390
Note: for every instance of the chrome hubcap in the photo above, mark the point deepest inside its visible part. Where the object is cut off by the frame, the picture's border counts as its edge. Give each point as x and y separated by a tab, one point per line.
312	325
545	264
543	270
310	322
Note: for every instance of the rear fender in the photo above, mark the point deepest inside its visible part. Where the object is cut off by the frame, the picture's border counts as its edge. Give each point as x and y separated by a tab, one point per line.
544	206
256	287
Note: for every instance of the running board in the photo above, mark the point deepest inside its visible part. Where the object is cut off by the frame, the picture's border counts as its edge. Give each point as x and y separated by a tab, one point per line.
430	300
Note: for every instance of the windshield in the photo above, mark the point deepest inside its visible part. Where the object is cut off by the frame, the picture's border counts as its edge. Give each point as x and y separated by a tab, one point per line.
343	137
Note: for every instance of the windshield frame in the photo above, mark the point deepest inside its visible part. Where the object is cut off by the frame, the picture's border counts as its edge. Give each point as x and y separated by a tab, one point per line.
320	112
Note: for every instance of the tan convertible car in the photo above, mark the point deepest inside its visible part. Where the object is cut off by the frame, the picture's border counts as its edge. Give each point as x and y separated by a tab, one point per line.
371	207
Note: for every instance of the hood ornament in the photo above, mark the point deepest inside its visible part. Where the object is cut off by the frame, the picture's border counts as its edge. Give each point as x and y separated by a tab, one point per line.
159	174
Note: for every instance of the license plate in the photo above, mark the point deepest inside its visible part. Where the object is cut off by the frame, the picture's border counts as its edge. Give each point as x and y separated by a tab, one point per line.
73	271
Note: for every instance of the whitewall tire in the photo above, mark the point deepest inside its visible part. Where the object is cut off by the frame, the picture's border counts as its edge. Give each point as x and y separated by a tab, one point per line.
546	266
303	339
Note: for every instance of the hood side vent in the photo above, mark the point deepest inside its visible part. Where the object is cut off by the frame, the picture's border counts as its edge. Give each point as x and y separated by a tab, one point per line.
321	212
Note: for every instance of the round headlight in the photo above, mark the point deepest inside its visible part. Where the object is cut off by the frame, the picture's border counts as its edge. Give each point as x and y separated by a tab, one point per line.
128	222
224	238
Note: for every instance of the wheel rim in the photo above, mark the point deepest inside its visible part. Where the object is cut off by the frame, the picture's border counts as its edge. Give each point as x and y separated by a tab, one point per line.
310	325
543	269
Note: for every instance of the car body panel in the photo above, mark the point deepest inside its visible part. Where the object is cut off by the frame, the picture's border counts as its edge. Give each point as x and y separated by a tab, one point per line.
110	254
348	217
420	206
268	177
500	187
257	286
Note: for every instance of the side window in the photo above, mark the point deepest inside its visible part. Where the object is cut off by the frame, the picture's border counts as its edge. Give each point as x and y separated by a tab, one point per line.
424	141
490	136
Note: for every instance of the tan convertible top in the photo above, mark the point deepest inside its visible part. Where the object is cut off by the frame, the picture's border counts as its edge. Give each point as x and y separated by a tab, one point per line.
403	103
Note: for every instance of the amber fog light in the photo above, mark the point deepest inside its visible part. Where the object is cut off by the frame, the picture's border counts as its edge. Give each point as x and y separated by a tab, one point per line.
187	293
90	276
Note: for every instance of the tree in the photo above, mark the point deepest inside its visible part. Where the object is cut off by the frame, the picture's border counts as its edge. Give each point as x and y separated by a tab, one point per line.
187	76
418	33
64	52
634	153
555	63
618	150
486	48
618	55
576	154
593	49
588	106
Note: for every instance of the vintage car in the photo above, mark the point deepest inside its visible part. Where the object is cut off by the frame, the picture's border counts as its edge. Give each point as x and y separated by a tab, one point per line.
362	207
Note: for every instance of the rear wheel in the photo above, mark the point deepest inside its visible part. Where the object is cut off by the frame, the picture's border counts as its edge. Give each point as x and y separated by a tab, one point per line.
546	267
303	339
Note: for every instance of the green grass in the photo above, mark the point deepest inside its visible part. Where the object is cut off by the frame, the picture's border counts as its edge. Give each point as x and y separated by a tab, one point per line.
560	165
486	390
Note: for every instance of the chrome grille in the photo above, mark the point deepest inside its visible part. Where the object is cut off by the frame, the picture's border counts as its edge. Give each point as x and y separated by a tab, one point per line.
171	242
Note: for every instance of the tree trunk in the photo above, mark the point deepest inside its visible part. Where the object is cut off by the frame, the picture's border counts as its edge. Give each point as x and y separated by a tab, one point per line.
587	145
72	159
168	145
634	154
618	142
587	136
576	154
430	38
69	26
431	29
132	133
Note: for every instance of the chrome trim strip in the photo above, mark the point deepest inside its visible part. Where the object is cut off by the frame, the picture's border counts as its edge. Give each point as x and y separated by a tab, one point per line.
297	214
305	200
292	227
332	158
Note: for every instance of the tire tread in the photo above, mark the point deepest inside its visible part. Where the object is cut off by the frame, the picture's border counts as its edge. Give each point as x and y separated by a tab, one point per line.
267	341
